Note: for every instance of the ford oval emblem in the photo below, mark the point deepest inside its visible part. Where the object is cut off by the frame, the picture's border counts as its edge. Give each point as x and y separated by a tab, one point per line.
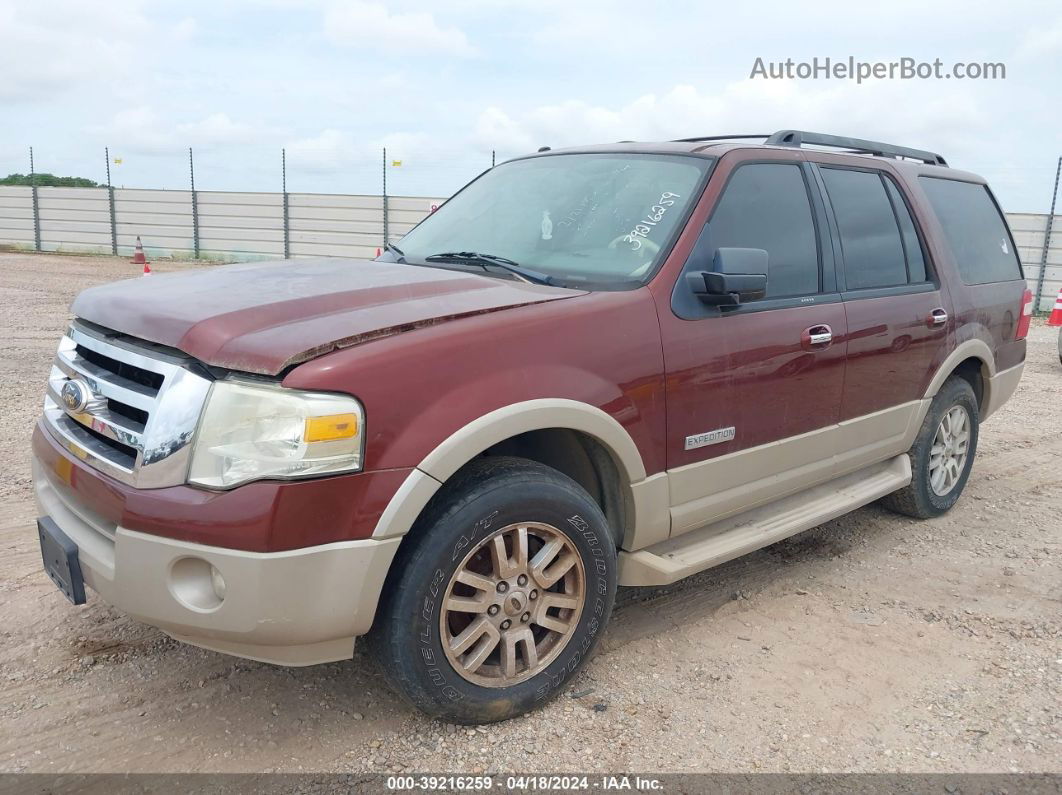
75	395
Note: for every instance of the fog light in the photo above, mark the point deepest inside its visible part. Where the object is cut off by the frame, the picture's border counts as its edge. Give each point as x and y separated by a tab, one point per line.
196	584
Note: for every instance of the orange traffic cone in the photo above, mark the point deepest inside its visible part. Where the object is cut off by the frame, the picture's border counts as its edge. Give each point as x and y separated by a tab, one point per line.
1056	313
379	251
139	258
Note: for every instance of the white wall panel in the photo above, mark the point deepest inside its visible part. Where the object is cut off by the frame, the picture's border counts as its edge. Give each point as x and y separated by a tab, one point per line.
1028	230
16	216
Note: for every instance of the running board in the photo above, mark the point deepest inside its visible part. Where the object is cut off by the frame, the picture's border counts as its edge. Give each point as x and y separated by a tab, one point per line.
689	553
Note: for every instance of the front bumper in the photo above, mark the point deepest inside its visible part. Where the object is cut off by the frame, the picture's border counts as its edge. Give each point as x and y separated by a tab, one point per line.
295	607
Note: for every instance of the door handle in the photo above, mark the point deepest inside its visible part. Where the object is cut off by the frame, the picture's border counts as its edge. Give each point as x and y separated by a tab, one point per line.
816	337
938	317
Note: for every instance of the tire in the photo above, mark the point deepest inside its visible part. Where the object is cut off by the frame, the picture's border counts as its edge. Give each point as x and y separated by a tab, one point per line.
920	499
494	498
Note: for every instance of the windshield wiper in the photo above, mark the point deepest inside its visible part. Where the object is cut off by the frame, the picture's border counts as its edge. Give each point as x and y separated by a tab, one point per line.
396	251
474	257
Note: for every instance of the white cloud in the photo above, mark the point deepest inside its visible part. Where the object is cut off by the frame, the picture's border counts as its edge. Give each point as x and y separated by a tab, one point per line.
334	149
185	29
325	151
1045	40
919	115
49	48
143	130
368	24
216	129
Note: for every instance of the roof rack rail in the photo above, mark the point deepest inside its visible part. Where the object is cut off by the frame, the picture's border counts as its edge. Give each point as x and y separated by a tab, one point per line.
800	137
699	139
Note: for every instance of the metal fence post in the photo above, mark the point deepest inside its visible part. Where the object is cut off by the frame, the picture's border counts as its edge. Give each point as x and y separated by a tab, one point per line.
386	237
1047	241
195	205
36	205
110	201
284	191
492	154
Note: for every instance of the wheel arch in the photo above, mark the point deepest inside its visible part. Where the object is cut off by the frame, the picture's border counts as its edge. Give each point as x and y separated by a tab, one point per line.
578	439
973	361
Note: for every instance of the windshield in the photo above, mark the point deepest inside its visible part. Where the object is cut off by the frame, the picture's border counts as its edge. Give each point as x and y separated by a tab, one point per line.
601	219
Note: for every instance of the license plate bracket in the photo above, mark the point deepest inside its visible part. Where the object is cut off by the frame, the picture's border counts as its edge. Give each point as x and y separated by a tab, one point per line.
61	563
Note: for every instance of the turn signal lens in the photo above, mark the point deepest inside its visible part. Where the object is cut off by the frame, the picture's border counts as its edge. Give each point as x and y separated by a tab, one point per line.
330	428
1022	331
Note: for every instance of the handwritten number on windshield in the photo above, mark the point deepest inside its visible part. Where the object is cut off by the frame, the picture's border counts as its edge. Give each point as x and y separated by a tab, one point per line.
652	218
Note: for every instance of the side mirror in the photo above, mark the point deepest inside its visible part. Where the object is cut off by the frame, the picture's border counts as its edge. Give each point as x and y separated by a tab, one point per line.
737	275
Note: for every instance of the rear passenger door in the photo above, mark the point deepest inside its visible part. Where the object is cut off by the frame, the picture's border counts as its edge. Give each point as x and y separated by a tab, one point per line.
897	313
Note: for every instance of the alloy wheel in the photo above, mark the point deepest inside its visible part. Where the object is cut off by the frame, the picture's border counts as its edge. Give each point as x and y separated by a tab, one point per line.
512	604
947	455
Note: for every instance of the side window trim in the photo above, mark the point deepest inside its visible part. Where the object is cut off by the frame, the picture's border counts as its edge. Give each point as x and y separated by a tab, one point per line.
899	226
828	259
834	230
829	287
882	292
931	282
930	266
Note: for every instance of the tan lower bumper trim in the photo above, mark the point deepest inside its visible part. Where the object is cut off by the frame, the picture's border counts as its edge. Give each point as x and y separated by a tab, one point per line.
294	656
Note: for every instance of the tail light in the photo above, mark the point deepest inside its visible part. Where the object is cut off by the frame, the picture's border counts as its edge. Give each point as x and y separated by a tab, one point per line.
1025	317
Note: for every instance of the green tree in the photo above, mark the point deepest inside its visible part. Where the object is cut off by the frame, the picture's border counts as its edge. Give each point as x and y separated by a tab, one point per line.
49	180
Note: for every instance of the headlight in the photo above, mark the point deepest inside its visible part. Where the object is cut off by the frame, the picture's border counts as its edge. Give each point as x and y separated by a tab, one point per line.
251	431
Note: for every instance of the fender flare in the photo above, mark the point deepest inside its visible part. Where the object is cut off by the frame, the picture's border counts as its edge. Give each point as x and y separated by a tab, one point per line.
483	432
975	349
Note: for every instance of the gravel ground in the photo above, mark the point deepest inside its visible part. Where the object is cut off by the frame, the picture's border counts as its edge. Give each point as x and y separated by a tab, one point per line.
872	643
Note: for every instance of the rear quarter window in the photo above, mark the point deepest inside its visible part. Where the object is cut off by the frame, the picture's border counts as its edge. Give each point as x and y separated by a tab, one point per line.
974	229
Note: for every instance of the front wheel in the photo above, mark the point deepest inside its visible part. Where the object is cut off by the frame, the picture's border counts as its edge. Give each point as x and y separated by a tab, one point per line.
942	455
499	594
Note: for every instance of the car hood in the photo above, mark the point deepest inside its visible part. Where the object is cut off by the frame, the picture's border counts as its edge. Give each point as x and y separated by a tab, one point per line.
265	317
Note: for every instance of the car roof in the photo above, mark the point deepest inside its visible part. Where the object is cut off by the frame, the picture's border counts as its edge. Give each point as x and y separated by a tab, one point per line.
721	145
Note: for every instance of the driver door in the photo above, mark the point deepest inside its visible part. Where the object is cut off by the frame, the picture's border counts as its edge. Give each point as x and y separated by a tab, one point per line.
754	391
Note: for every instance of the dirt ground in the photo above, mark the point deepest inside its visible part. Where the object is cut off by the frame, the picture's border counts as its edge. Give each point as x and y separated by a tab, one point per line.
872	643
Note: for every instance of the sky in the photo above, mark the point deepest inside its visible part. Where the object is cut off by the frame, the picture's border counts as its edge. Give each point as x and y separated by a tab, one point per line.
444	84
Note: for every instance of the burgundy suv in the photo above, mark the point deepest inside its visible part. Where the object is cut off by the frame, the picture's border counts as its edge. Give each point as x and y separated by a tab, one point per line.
618	364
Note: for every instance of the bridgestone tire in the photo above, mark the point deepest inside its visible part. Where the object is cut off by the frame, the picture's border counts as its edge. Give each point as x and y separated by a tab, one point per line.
918	499
489	494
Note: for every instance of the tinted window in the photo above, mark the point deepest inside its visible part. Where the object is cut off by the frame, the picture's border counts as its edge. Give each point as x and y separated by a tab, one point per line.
916	261
870	238
765	205
975	230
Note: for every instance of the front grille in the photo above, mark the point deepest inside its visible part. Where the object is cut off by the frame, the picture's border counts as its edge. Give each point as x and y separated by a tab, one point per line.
121	370
139	408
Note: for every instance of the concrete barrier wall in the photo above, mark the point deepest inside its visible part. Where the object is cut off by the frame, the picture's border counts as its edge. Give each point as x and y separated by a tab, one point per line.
240	226
16	216
335	225
247	226
1028	230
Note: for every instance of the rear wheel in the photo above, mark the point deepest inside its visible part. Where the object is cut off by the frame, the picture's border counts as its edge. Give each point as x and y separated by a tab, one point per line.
500	597
942	454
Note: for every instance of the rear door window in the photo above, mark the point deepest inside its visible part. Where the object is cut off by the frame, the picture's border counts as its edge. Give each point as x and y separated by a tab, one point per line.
870	233
975	230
